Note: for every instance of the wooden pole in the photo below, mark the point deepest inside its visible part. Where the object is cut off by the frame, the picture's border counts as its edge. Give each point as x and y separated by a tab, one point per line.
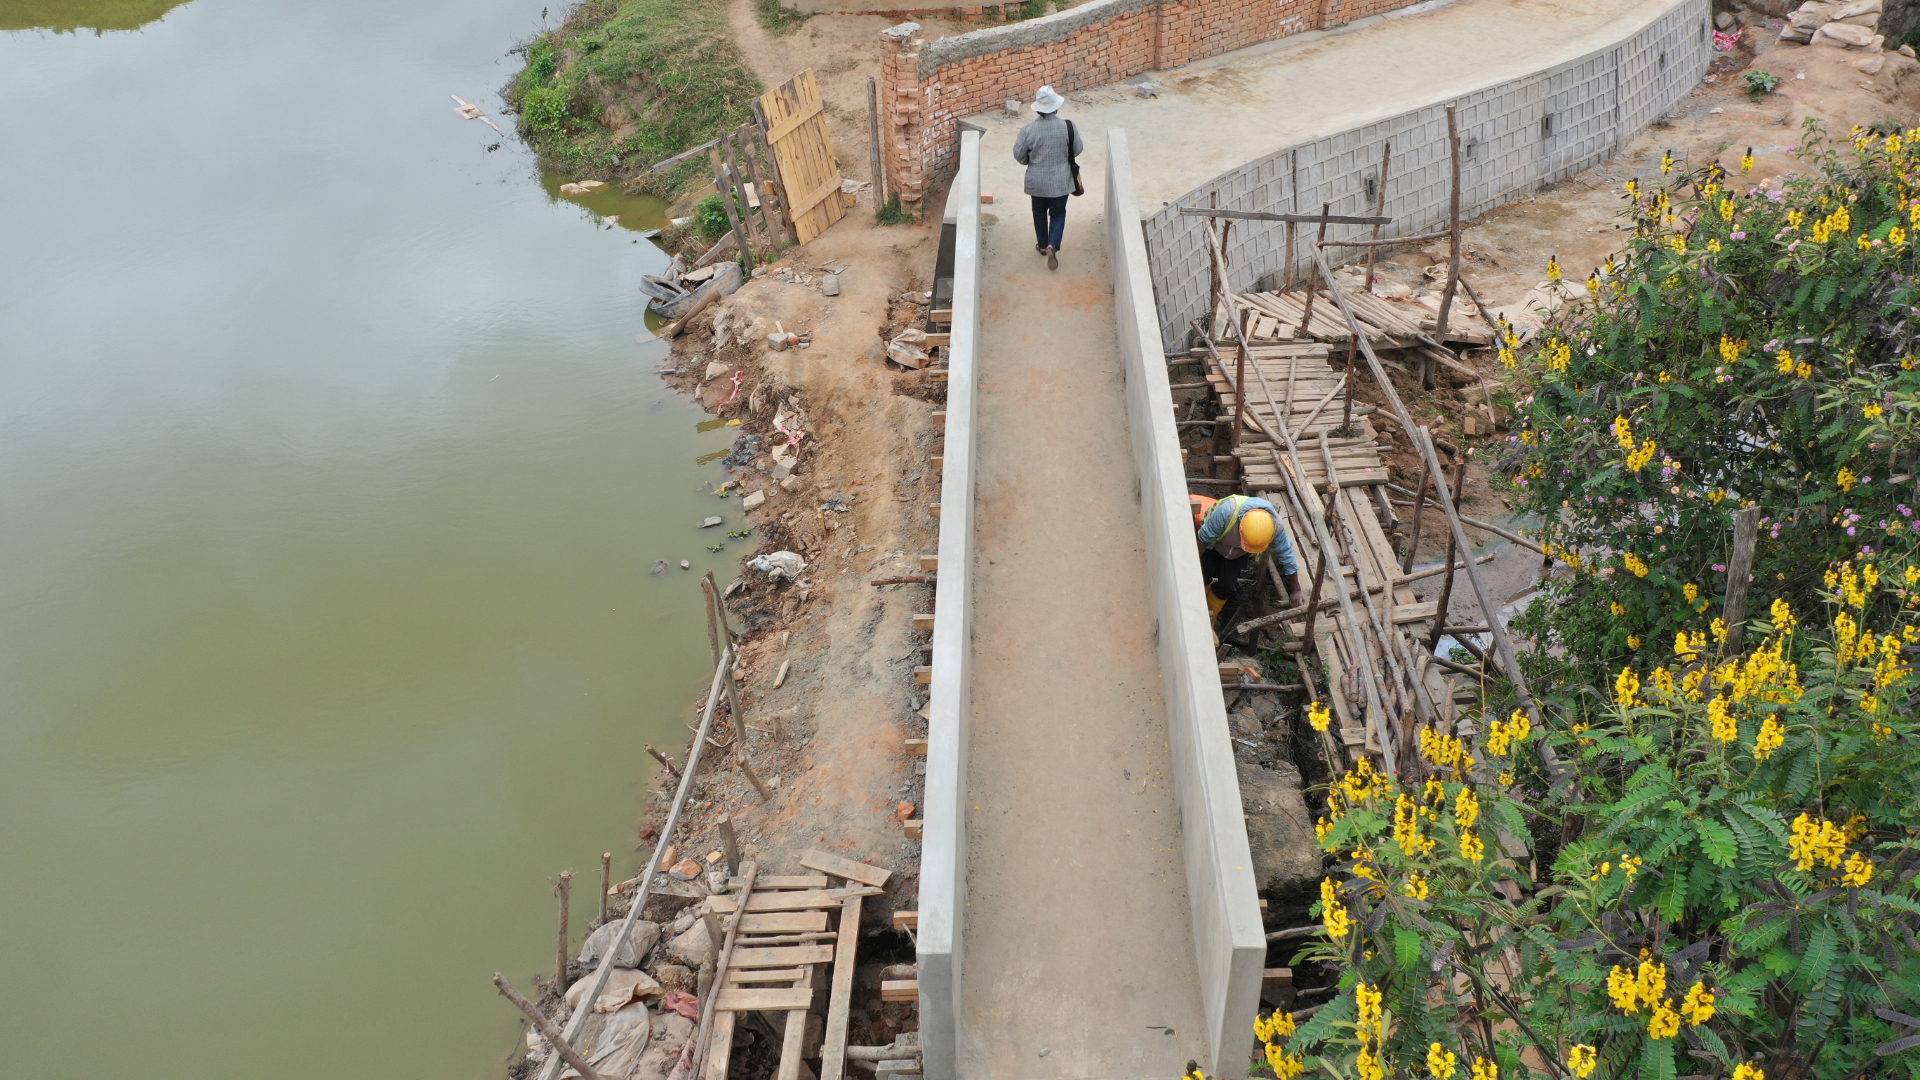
606	883
729	845
1313	274
773	178
1453	234
1746	530
699	1041
723	184
563	889
665	761
1446	584
720	605
713	624
545	1027
873	140
714	630
1292	239
740	143
1346	416
1319	576
746	768
1379	209
1419	506
1240	381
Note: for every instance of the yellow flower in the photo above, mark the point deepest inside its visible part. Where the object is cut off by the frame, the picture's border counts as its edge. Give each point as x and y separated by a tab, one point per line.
1581	1061
1339	924
1746	160
1623	431
1553	268
1626	689
1771	738
1617	608
1318	716
1666	163
1871	410
1698	1006
1805	370
1896	237
1726	208
1367	999
1367	1063
1652	979
1466	809
1785	367
1859	871
1744	1071
1633	641
1725	727
1783	620
1664	1023
1415	885
1636	564
1472	848
1485	1070
1282	1025
1622	990
1691	591
1845	479
1440	1062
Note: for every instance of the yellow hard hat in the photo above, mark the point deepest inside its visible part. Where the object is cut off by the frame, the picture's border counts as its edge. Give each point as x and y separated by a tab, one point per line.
1256	530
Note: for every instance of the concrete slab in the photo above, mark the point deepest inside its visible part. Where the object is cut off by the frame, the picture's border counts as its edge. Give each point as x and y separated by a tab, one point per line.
1076	890
1211	116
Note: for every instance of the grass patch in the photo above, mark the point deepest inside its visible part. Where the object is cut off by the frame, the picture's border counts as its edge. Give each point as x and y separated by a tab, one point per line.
891	213
625	83
777	20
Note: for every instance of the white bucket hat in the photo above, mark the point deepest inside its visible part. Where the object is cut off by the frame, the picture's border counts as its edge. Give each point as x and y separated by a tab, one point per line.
1046	101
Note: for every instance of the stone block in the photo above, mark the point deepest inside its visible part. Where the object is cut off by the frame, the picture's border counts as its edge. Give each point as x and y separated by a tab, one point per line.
754	500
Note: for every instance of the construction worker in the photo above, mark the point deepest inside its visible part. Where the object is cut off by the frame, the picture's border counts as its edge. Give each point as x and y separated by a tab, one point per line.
1233	533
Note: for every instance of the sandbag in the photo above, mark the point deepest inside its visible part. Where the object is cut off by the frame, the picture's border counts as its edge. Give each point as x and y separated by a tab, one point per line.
632	953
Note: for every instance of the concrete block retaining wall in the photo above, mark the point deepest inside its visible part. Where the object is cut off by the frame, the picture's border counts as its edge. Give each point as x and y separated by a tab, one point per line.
1229	940
1090	45
943	838
1516	137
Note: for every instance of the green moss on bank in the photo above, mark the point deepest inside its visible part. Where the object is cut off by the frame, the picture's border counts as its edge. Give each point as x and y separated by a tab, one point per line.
625	83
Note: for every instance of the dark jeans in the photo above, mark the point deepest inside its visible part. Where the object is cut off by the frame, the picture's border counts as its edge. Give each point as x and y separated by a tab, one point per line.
1049	219
1222	575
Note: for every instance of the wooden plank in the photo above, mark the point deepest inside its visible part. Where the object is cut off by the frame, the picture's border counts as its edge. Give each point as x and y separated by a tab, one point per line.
828	863
900	990
941	316
930	563
767	999
923	622
1407	613
805	203
833	1049
719	1047
781	956
798	900
906	920
912	828
1273	977
923	674
784	922
788	126
917	747
778	881
782	976
796	1033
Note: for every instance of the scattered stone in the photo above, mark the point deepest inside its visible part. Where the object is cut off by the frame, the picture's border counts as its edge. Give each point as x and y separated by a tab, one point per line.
754	500
904	812
685	870
1871	64
1012	107
759	271
1723	20
685	565
715	369
1146	90
658	565
631	953
708	523
674	977
682	922
830	285
692	948
790	483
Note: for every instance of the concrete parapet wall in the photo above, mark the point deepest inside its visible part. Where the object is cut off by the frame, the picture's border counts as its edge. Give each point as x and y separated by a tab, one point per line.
1230	943
943	838
1517	136
1090	45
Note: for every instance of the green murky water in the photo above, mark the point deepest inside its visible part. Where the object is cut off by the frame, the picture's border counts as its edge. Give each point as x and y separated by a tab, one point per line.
331	474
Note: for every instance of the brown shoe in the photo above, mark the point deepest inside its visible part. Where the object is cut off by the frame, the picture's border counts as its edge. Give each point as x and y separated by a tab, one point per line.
1053	258
1041	248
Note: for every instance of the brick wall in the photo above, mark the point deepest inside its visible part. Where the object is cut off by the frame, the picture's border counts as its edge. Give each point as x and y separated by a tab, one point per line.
1516	136
1096	43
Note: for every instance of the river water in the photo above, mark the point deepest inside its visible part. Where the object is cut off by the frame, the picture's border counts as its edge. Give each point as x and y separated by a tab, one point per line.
331	475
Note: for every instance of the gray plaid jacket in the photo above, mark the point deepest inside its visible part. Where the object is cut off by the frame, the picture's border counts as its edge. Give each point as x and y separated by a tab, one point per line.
1042	148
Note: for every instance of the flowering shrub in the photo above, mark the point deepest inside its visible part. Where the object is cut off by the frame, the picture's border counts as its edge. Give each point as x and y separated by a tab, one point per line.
1722	886
1754	347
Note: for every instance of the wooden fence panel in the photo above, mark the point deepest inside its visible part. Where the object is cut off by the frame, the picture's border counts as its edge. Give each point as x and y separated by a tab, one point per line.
809	168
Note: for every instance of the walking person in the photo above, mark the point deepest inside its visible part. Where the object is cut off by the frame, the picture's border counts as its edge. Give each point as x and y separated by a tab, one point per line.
1049	148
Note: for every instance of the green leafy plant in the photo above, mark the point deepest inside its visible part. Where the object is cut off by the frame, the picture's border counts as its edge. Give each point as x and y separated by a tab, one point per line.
710	217
1712	874
1760	83
892	213
1754	348
546	108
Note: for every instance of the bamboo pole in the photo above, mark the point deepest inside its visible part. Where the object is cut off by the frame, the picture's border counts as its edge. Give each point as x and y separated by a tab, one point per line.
578	1022
1423	440
1419	505
1313	273
729	845
545	1027
1453	234
740	142
714	632
665	761
873	141
1446	586
563	889
1379	208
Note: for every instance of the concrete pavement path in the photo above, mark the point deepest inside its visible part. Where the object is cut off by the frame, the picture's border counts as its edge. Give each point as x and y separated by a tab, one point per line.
1078	953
